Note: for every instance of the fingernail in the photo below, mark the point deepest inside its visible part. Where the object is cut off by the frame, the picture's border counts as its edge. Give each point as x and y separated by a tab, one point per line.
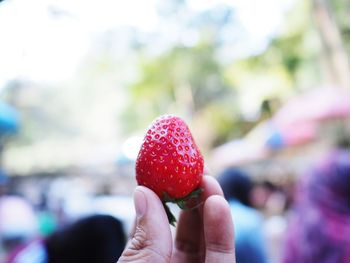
140	202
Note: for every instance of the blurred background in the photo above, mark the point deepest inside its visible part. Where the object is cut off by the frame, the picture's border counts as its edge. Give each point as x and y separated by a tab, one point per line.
263	85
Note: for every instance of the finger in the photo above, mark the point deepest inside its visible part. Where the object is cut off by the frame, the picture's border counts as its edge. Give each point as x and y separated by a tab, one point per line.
218	230
210	187
189	236
152	240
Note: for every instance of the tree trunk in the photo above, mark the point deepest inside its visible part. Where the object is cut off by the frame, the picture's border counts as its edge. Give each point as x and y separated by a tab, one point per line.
335	54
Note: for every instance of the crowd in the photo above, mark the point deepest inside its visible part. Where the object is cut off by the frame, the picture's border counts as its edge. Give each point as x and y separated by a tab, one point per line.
312	223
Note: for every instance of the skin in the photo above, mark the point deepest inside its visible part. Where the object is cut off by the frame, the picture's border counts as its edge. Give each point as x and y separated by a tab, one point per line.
203	235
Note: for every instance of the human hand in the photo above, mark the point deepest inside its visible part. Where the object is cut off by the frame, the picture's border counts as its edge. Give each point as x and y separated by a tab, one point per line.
204	234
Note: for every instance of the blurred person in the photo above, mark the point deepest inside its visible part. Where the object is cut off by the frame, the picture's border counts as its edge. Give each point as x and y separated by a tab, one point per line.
18	222
319	226
94	239
98	238
271	200
3	182
248	222
273	206
46	218
203	235
261	193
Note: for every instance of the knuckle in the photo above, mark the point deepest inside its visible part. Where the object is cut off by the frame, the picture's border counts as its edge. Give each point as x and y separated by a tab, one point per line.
141	248
140	240
220	248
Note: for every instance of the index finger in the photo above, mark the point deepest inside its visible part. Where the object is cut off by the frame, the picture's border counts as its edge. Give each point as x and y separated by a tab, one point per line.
189	236
218	231
211	187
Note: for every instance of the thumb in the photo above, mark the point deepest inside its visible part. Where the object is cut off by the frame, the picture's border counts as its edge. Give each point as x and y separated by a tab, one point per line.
152	241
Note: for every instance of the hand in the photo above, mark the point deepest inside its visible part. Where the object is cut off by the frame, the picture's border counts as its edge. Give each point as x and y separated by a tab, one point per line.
203	235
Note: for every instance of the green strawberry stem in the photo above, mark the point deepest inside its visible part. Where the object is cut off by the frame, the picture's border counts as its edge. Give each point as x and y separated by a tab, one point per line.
181	203
171	217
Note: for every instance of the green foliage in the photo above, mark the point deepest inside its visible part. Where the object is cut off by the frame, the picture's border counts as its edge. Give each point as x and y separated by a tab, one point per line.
183	81
192	82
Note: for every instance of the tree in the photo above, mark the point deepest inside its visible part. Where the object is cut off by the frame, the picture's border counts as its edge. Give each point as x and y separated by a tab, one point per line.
333	45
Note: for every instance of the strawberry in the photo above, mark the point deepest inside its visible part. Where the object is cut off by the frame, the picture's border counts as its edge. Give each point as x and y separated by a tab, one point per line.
169	161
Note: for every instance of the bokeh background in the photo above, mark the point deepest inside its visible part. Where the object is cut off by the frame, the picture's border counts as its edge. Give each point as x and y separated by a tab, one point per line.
263	85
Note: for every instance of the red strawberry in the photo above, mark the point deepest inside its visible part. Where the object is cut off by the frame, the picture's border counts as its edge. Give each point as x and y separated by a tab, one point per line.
169	161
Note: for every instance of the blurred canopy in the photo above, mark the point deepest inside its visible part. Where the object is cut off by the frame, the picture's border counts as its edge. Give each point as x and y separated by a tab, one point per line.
203	62
228	96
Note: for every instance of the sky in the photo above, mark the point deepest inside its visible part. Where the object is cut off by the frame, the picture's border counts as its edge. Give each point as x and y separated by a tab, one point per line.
46	40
